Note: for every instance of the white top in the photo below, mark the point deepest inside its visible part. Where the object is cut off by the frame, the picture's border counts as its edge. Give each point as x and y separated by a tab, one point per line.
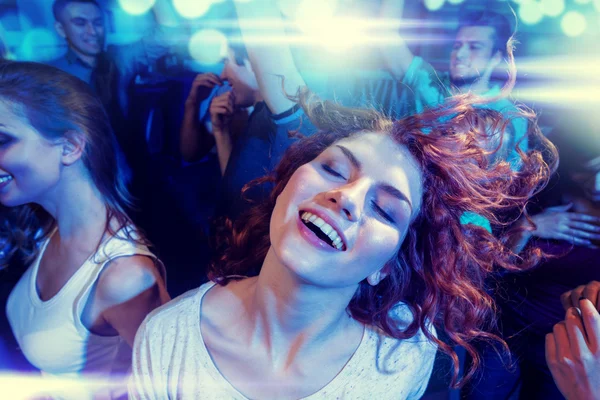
171	361
53	338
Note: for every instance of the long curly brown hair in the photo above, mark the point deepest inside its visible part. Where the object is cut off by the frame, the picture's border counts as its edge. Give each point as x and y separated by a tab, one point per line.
441	269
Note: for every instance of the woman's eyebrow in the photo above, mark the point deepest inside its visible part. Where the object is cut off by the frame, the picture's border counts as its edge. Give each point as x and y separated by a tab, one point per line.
351	157
389	189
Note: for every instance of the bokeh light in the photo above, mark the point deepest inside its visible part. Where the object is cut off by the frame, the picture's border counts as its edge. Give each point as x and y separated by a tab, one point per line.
552	8
288	7
455	1
582	1
136	7
434	5
573	24
208	46
192	8
306	11
530	12
337	34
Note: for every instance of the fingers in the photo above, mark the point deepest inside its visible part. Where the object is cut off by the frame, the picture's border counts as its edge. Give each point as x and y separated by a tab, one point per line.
571	237
562	208
584	226
576	294
223	104
591	323
580	231
584	218
209	77
551	351
207	80
571	298
561	341
590	292
576	333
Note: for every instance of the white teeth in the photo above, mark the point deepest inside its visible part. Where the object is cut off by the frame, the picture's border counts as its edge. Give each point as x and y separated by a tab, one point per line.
325	228
318	222
6	178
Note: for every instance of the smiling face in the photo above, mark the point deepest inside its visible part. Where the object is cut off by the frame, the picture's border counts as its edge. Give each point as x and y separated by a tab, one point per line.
82	25
29	163
344	215
473	53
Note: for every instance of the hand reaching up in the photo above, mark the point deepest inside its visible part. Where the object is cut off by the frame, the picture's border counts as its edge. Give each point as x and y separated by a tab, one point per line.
573	353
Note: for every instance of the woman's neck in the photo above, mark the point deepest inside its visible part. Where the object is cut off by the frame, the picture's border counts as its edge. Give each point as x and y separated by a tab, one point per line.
78	209
288	315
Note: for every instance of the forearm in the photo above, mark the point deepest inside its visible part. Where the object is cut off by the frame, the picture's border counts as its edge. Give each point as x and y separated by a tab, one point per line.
519	236
395	52
224	146
519	241
164	14
194	139
273	63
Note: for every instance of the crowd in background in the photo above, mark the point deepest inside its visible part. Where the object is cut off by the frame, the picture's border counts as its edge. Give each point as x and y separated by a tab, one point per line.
171	146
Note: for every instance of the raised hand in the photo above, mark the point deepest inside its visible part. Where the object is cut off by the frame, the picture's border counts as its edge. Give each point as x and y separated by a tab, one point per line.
201	88
589	291
221	110
573	353
558	223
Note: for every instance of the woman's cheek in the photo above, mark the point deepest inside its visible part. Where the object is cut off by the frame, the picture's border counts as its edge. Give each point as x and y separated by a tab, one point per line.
379	242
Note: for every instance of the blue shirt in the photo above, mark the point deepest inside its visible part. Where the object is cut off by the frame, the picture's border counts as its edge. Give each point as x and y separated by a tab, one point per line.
73	65
127	59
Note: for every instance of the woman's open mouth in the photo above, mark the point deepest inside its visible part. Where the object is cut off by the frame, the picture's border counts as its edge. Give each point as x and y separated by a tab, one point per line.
322	230
5	180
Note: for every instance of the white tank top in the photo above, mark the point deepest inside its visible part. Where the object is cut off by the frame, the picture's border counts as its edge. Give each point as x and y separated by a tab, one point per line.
53	338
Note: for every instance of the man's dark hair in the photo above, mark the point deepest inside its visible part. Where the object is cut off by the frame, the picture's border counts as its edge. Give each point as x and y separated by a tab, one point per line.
501	25
59	6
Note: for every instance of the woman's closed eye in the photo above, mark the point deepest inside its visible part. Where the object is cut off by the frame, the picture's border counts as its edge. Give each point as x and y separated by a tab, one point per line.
381	212
4	141
332	171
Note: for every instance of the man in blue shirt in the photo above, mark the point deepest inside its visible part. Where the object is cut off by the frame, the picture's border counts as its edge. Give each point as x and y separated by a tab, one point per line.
414	85
109	72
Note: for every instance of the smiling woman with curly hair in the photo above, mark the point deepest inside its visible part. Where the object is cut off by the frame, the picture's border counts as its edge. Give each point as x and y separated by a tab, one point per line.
335	286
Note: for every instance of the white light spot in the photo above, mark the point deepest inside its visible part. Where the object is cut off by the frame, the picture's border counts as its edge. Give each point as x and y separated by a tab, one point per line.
573	24
208	46
530	13
192	8
136	7
552	8
434	5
